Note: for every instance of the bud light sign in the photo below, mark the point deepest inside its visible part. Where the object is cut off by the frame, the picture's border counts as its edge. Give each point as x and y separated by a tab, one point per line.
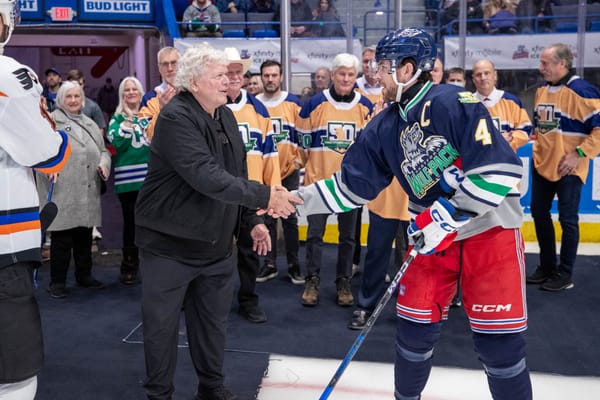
116	10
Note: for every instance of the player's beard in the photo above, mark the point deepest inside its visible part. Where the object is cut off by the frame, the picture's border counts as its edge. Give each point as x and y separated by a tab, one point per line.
389	94
271	89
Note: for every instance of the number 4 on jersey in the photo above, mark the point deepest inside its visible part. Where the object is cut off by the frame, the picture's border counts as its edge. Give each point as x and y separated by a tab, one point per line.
482	133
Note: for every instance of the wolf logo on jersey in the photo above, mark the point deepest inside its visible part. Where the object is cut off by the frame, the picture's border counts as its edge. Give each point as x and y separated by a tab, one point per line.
424	160
546	118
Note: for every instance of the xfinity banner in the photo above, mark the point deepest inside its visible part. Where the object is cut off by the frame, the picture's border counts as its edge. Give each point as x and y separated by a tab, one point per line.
306	54
518	51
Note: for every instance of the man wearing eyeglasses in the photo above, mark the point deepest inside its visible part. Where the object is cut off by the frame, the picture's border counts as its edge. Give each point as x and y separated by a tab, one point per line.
156	98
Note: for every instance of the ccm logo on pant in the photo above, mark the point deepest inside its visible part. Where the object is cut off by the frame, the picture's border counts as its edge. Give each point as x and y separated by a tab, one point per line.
490	308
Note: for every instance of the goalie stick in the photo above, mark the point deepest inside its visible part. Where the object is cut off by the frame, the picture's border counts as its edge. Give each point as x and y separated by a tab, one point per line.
371	321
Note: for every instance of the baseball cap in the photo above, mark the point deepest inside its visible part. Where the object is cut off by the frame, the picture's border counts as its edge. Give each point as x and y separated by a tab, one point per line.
52	69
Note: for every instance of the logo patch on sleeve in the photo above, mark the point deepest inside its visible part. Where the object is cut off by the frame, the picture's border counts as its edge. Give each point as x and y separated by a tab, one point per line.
467	97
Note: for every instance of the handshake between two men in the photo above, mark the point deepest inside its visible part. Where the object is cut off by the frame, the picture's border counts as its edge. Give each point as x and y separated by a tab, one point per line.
282	203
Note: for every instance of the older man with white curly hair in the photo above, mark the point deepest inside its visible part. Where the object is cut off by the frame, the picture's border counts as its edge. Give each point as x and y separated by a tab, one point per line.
194	197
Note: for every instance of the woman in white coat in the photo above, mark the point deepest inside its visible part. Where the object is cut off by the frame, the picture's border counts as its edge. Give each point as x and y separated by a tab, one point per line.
76	192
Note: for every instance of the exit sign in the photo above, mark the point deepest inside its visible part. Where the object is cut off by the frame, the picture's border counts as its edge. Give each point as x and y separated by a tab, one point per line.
61	14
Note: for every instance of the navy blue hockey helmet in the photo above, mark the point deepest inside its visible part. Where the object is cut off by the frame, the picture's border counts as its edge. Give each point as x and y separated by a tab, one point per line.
408	43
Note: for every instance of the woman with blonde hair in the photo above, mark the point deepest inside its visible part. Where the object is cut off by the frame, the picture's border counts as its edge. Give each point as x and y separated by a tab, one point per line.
127	133
255	86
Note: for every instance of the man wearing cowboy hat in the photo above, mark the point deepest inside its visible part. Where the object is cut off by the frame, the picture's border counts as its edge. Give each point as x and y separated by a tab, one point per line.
256	129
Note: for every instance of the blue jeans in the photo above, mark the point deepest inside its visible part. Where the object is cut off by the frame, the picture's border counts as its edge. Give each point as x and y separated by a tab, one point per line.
568	191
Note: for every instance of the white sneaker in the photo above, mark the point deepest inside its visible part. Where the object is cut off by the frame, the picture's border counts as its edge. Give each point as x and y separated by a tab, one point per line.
96	235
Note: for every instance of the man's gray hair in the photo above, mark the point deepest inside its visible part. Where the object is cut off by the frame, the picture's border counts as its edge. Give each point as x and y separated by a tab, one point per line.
562	52
369	49
344	60
195	62
165	51
62	93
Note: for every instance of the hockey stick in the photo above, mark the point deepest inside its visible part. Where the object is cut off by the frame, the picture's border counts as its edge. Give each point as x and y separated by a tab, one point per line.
48	212
47	215
370	322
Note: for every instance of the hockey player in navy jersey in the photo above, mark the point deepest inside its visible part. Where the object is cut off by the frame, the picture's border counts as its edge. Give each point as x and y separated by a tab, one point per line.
461	177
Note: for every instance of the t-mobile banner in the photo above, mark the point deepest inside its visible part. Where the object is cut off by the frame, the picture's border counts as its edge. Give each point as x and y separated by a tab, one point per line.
518	51
306	54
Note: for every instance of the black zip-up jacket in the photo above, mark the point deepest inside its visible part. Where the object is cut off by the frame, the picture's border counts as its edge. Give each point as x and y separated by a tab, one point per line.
197	180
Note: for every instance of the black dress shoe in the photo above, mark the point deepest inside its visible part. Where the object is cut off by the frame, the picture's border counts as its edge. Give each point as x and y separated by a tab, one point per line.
129	278
218	393
359	319
540	275
253	314
57	290
90	282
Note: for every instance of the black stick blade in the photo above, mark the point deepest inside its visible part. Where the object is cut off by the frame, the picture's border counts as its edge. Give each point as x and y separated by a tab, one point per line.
47	215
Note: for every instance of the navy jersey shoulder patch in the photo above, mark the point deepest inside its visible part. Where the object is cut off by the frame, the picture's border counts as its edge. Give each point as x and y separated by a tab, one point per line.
467	97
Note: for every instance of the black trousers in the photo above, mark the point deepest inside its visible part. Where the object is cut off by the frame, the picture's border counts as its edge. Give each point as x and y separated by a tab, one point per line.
207	292
21	345
248	264
314	243
75	241
127	201
357	235
290	228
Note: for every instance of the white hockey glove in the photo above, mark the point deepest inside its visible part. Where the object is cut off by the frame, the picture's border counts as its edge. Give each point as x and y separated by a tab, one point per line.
435	228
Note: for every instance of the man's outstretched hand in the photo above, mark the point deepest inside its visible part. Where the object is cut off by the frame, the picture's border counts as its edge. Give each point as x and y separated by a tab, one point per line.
282	203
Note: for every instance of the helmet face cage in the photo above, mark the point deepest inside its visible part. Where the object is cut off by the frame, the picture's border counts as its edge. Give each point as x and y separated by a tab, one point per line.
408	43
9	17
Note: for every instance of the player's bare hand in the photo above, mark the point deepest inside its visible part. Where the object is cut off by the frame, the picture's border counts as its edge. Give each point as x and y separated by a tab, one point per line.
261	240
281	203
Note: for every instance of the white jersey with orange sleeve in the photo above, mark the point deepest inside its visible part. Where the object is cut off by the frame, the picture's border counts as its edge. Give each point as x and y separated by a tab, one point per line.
28	142
508	115
327	128
372	92
284	111
256	130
